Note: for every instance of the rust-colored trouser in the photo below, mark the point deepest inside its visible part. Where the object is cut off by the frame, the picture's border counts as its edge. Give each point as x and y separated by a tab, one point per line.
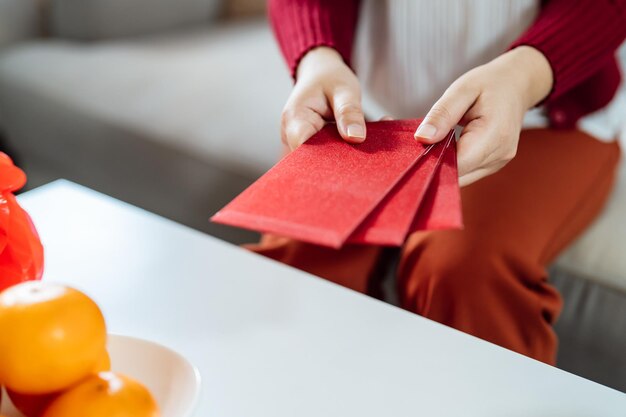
490	279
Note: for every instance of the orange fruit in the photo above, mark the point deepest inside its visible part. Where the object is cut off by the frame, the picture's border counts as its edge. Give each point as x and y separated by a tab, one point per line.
103	363
106	394
31	405
52	337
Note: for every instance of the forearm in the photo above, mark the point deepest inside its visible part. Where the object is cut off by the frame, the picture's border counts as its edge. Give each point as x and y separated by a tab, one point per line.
530	71
577	38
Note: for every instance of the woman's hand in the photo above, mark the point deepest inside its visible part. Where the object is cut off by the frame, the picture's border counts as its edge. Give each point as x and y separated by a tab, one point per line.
490	102
326	88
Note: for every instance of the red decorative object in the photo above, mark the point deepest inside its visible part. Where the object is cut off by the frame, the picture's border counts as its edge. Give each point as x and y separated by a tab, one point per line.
21	252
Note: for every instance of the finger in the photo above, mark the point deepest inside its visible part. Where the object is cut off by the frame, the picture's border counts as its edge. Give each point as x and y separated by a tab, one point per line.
470	154
348	115
446	113
477	145
475	155
474	176
298	124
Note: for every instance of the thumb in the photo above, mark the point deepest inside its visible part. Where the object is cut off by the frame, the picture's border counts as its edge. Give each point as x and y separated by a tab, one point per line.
348	115
444	115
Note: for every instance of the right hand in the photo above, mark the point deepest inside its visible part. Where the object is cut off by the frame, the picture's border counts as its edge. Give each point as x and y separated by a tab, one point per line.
326	89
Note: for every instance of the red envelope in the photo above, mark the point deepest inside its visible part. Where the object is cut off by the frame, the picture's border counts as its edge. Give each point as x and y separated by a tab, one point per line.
323	191
441	208
390	223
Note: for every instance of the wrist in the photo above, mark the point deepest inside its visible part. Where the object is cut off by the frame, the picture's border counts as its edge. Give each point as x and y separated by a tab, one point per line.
316	57
533	73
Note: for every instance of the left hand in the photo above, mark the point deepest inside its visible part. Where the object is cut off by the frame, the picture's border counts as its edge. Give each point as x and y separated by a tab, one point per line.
490	102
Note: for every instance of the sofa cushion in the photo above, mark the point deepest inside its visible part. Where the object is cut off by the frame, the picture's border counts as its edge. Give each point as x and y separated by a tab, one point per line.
100	19
194	91
599	253
18	21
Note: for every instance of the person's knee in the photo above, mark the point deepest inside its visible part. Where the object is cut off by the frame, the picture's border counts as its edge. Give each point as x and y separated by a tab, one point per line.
450	272
488	290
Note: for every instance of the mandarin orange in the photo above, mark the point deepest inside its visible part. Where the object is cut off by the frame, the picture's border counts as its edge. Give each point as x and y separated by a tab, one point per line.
31	405
52	337
106	394
103	364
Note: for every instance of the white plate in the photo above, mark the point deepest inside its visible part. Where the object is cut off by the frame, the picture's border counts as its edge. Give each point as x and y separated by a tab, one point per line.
172	379
174	382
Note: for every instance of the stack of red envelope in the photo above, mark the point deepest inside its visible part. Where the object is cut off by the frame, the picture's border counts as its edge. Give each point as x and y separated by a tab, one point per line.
329	192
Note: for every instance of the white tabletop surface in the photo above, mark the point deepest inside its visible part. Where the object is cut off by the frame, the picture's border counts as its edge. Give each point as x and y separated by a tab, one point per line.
271	341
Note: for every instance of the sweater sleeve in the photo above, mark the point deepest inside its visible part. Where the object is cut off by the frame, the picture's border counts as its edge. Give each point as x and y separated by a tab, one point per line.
578	37
301	25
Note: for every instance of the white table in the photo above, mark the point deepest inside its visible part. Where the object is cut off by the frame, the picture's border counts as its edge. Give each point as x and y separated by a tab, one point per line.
271	341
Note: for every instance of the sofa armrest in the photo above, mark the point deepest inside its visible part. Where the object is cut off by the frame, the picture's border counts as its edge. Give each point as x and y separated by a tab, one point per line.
104	19
19	20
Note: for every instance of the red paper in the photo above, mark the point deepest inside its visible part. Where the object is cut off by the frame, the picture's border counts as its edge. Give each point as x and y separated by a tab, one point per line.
441	208
390	222
321	192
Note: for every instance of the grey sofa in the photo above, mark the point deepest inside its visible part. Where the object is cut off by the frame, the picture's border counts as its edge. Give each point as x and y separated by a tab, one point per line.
177	112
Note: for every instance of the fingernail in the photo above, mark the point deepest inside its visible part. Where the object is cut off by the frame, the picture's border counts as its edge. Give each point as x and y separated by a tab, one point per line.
425	131
356	131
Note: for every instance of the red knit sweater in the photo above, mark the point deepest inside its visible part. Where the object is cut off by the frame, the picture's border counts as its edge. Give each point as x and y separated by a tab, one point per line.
578	37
